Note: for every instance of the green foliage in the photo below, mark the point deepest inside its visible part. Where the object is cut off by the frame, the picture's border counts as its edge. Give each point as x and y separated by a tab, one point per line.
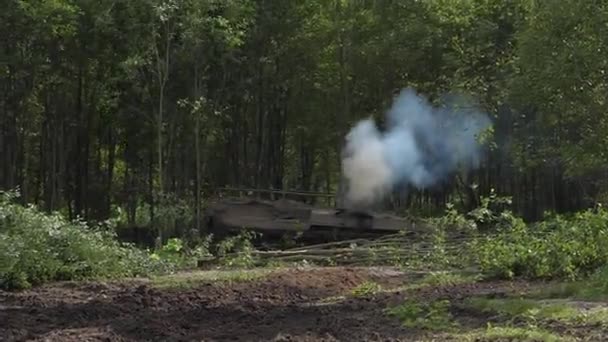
431	316
452	220
37	248
560	86
179	254
494	212
561	246
234	73
235	251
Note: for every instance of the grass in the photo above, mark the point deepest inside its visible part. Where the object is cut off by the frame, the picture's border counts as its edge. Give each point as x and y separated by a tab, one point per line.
529	317
193	279
436	317
591	291
433	316
366	289
532	310
523	308
444	278
527	334
440	278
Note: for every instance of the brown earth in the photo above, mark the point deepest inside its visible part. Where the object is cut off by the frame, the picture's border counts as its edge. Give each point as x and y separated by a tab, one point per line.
287	305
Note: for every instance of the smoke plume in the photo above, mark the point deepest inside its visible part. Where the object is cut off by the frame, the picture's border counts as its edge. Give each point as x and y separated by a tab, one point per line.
420	146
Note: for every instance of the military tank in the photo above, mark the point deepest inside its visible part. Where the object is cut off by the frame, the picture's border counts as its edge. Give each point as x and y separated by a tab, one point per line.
276	219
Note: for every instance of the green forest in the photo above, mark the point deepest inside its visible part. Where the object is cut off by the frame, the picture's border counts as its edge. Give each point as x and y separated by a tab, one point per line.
123	121
127	105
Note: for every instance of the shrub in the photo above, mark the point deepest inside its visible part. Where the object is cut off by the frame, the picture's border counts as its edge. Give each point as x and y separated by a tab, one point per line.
559	247
236	251
178	253
36	247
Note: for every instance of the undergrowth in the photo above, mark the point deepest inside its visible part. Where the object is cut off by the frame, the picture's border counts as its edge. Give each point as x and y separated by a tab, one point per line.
560	247
36	247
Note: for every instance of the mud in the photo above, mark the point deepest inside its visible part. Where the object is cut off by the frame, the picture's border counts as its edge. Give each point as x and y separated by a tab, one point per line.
287	305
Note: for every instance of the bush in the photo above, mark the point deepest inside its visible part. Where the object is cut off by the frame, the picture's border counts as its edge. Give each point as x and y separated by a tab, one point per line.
178	253
559	247
36	247
236	251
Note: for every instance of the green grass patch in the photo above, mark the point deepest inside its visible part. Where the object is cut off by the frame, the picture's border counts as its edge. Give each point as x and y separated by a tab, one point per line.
366	289
597	315
193	279
524	308
593	289
438	278
587	291
534	310
523	334
424	316
444	278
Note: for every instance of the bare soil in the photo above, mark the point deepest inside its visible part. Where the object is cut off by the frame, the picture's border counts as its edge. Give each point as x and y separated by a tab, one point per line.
286	305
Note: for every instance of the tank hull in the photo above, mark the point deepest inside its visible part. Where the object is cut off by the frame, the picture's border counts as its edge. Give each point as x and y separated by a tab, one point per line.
276	219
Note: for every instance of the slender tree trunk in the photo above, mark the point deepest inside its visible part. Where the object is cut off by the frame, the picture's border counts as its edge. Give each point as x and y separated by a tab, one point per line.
110	170
197	195
159	136
197	150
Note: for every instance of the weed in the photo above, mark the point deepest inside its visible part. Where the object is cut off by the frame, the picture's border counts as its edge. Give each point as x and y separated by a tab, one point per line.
524	334
236	251
177	252
444	278
594	288
534	310
594	316
433	316
193	279
366	289
524	308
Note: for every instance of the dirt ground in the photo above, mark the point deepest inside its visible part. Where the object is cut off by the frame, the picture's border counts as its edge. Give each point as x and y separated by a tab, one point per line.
312	304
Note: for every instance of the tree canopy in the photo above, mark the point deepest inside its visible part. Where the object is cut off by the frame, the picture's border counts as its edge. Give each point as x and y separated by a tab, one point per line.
132	103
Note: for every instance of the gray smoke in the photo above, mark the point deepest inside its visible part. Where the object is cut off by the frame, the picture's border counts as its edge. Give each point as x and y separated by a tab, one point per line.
420	146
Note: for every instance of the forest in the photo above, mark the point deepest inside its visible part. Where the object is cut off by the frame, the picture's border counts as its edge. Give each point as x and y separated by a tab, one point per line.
132	104
124	114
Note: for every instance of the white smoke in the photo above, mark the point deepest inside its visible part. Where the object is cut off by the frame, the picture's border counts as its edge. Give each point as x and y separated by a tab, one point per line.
367	168
421	146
